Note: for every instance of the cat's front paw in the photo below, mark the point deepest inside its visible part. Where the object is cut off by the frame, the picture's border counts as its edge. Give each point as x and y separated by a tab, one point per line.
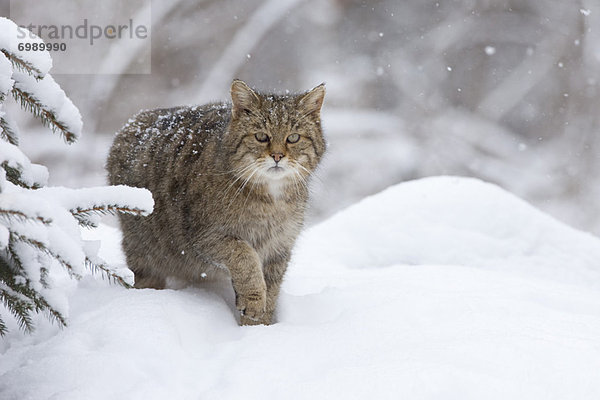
252	307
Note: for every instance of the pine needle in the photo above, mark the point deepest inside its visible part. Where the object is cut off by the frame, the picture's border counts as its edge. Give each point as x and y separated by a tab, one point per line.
13	175
21	300
22	65
16	297
44	249
106	272
47	116
21	216
20	308
83	215
7	132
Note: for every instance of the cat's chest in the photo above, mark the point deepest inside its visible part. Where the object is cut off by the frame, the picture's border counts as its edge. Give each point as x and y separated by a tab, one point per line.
271	228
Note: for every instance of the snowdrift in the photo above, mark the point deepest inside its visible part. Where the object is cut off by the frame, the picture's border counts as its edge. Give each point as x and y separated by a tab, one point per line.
439	288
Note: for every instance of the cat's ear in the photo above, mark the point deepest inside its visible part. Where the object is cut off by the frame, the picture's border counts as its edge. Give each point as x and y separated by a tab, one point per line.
311	102
243	98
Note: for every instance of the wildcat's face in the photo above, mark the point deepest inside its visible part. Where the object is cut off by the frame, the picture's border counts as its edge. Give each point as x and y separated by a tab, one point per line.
275	139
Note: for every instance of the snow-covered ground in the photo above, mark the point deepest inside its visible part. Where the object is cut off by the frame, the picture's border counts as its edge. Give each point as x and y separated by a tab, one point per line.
445	288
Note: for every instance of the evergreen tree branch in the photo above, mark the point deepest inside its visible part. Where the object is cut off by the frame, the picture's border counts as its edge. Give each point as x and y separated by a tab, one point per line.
3	329
106	272
86	222
21	300
7	131
13	254
21	216
20	308
47	116
83	214
14	176
54	316
44	249
15	265
22	65
26	256
16	297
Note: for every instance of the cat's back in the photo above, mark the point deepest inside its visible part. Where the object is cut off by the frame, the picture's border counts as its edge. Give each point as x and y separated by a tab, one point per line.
159	142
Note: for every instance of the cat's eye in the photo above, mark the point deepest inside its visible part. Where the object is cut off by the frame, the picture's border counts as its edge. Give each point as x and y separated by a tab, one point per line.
293	138
262	137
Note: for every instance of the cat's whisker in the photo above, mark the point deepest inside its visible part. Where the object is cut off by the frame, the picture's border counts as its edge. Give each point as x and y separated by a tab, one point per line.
299	175
249	193
242	172
241	189
304	169
238	190
298	181
234	171
308	172
296	186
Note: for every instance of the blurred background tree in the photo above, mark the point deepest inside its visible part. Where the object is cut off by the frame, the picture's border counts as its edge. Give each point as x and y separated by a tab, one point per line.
503	90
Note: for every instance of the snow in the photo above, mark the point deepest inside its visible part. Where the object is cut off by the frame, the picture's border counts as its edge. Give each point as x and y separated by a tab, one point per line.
439	288
4	236
453	221
31	174
10	37
89	198
46	216
6	83
47	223
39	85
50	94
42	225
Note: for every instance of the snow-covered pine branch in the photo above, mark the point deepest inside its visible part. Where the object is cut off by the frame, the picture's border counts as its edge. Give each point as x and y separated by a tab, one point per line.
19	170
8	131
25	75
46	100
21	64
40	234
20	215
89	204
35	63
43	232
99	266
22	301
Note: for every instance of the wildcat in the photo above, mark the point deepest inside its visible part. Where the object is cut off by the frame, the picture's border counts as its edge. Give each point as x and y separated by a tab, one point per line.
229	182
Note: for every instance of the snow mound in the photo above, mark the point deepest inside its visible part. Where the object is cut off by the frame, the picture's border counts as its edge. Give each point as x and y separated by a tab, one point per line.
455	221
440	288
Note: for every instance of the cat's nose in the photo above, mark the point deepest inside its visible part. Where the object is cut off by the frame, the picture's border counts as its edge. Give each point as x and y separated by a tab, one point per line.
277	156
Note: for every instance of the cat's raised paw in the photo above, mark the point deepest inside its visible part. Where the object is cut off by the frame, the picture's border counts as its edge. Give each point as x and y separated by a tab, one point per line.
252	308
